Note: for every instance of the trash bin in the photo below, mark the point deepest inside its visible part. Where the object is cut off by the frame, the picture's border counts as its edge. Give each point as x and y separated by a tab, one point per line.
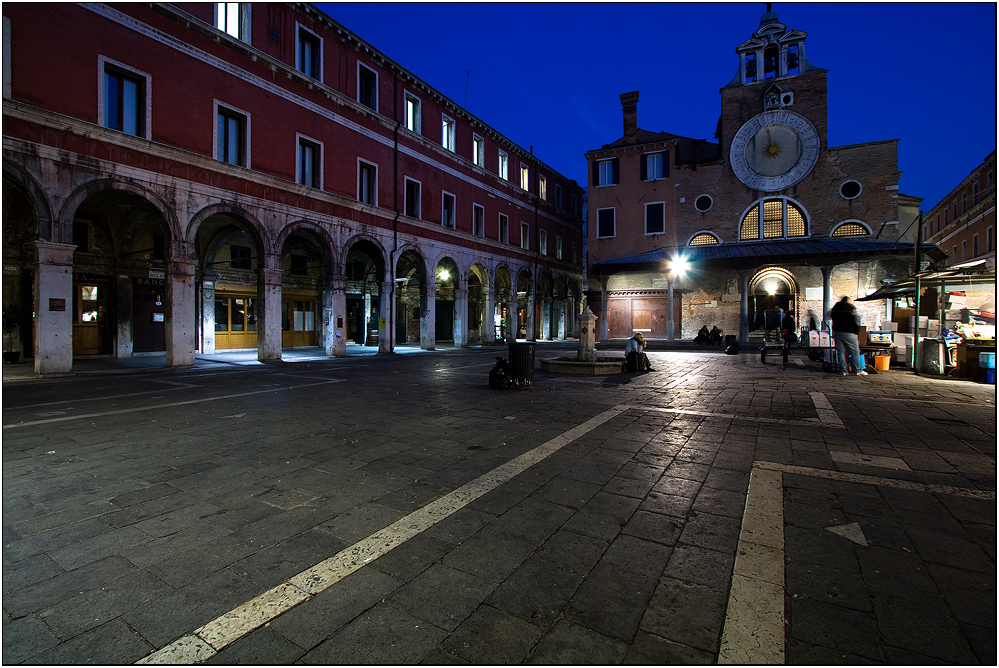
882	362
522	362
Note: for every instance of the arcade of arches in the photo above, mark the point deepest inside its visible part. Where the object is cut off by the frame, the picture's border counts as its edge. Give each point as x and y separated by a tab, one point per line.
118	270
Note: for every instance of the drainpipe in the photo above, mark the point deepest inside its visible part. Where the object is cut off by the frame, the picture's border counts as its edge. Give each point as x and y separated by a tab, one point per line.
915	334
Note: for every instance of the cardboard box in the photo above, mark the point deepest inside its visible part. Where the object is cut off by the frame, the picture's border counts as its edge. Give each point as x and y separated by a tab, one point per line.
889	326
824	340
813	339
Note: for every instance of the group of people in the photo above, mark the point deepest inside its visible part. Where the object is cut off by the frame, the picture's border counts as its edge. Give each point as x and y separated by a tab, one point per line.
845	326
714	337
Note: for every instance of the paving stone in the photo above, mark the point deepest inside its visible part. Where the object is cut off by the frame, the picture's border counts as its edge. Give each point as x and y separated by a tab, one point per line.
699	565
491	636
272	565
574	552
111	643
803	653
570	643
612	599
382	635
24	638
441	595
53	539
686	613
982	641
649	649
677	486
711	531
489	555
532	520
836	627
260	647
566	492
20	602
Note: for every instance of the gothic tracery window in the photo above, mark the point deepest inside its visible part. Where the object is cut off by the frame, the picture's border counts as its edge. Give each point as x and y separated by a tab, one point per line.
774	218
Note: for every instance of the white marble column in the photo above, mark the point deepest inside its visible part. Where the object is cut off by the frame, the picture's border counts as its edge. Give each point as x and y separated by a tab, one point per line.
338	290
269	316
53	308
182	316
386	318
428	317
125	334
461	316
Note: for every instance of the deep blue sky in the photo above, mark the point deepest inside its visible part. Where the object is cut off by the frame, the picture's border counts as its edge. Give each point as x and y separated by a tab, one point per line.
549	75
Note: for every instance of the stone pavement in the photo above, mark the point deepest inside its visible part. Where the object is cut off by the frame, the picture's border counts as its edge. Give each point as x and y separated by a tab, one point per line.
393	509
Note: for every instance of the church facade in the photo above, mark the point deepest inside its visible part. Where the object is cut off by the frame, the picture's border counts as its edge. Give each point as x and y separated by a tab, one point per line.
685	233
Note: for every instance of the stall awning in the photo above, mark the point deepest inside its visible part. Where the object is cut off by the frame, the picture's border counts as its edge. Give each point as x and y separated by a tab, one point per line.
966	274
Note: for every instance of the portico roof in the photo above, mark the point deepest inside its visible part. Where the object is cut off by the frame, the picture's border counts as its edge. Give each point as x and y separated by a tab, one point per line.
815	252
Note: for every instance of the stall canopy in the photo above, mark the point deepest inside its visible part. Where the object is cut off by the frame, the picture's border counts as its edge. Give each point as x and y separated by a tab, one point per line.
966	274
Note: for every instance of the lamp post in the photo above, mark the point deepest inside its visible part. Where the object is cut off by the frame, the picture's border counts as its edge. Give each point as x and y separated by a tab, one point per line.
675	268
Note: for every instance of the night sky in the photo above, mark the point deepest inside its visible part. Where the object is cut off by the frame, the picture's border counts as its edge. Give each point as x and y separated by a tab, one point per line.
549	75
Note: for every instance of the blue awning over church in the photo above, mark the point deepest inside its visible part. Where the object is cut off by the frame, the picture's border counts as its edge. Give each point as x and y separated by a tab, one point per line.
827	251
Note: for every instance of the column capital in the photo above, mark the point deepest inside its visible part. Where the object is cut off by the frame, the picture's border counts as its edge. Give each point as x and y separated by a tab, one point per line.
55	254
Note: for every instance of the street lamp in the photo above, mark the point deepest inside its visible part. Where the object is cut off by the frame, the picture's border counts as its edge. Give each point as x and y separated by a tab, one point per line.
675	268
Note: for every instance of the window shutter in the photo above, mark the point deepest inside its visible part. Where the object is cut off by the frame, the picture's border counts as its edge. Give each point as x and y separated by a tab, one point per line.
617	169
596	173
645	167
665	164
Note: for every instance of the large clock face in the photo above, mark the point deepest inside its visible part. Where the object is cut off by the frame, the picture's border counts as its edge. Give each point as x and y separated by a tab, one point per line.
774	150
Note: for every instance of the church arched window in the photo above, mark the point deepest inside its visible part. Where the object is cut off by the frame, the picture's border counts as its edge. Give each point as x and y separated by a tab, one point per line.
850	229
703	239
774	218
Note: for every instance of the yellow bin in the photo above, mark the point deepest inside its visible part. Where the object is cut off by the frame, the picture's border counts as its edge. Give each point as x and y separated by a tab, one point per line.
881	362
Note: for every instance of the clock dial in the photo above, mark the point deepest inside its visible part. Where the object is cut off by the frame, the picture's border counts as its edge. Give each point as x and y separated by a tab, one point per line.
774	150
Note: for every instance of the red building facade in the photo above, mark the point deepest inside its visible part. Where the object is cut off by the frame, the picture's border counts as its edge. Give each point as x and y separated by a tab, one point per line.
197	177
964	222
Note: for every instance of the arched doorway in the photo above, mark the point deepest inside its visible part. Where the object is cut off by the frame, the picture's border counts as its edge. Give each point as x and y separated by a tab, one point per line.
304	266
364	270
503	295
478	320
445	285
771	290
410	277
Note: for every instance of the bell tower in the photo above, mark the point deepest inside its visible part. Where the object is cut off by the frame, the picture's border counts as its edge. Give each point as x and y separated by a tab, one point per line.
773	74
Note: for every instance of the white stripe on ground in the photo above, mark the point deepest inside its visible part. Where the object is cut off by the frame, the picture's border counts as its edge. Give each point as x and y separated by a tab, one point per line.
811	422
140	409
207	640
754	620
827	414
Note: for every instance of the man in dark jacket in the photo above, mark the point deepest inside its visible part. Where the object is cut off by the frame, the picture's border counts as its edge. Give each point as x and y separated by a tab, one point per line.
845	328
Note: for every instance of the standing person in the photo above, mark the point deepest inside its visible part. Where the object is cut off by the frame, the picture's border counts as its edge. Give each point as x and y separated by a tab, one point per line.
635	352
845	329
787	329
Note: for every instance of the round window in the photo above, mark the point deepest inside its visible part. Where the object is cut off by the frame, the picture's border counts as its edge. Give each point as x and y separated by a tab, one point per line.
703	203
850	189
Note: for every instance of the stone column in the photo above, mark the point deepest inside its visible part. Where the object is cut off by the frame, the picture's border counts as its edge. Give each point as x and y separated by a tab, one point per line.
53	308
124	339
511	320
207	317
461	316
587	337
547	319
489	317
269	316
604	328
386	318
181	316
563	321
366	320
338	311
743	307
531	324
670	317
428	316
826	294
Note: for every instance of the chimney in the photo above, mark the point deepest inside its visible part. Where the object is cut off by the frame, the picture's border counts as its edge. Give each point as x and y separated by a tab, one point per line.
629	104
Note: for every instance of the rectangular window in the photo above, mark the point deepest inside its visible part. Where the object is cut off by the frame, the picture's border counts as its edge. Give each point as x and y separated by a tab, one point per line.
558	195
558	247
124	101
964	250
298	265
525	236
653	166
308	163
574	249
478	151
413	120
229	18
230	137
773	219
964	202
572	205
543	242
974	193
412	198
974	245
504	229
525	177
504	161
447	210
447	132
607	172
605	223
367	87
989	240
478	220
655	218
309	57
240	257
367	183
542	187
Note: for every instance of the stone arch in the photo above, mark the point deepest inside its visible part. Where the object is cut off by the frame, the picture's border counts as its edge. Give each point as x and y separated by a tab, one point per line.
481	305
254	224
410	286
34	194
771	288
98	186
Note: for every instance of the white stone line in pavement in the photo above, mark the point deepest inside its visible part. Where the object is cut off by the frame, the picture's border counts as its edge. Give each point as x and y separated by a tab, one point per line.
827	414
754	619
207	640
810	422
896	463
862	479
121	411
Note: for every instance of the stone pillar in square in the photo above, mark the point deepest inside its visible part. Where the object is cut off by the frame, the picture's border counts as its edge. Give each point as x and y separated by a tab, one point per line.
53	308
182	317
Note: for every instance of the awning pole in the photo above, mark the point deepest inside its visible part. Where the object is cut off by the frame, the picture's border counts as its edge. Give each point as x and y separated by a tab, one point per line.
915	270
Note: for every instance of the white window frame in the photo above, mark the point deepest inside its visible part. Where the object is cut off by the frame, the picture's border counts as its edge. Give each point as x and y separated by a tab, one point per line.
647	205
601	180
374	186
542	187
558	247
454	213
298	160
447	132
525	236
543	242
244	20
481	211
298	51
614	212
358	98
101	111
662	165
417	120
478	151
216	105
525	177
503	165
419	200
503	231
